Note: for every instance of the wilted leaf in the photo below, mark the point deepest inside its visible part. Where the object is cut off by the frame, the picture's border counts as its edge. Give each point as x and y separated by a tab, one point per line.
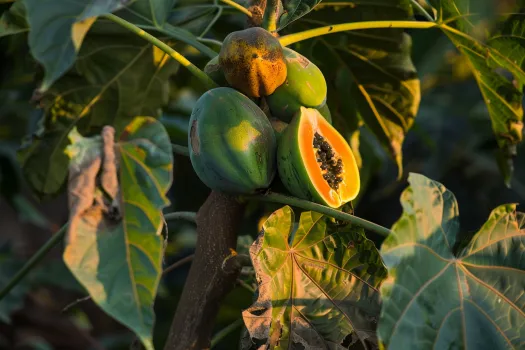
114	247
496	58
13	21
437	298
370	74
116	78
317	287
295	9
53	29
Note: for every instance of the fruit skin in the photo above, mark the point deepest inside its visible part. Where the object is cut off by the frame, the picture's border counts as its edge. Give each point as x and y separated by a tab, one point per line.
291	167
305	85
232	143
253	61
278	127
215	72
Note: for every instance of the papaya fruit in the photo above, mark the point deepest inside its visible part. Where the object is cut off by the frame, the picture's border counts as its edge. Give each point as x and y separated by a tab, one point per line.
305	85
315	162
253	61
278	127
232	143
215	72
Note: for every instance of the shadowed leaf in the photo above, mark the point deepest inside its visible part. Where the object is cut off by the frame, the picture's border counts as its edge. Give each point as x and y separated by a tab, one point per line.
317	284
13	21
55	34
116	77
436	298
496	55
295	9
117	191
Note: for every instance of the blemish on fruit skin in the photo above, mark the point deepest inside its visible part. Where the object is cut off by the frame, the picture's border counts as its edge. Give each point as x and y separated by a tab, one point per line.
194	137
240	137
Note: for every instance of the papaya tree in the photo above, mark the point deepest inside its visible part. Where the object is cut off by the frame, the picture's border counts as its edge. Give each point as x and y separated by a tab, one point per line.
278	109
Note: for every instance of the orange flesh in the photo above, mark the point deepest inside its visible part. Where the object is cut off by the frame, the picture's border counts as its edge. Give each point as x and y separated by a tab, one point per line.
349	188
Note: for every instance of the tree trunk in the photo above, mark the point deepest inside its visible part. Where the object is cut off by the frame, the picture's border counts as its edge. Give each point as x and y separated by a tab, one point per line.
207	283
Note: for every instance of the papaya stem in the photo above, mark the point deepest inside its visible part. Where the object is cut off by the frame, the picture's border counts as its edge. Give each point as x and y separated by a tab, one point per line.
180	150
238	7
343	27
203	77
181	215
34	260
334	213
271	15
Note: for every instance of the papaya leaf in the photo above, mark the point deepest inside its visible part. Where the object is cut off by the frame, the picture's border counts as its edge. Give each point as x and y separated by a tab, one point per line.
152	15
13	21
58	29
295	9
117	191
370	74
496	57
115	78
317	284
438	296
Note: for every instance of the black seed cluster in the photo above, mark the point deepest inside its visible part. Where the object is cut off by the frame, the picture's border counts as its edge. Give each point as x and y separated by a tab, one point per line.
331	167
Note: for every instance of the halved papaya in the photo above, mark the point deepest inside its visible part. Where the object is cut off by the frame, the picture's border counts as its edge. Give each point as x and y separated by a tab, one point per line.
315	162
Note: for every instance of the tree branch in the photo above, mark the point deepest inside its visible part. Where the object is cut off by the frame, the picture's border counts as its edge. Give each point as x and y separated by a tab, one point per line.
208	283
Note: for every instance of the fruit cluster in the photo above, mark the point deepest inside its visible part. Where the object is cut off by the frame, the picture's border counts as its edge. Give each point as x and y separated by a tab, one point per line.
235	147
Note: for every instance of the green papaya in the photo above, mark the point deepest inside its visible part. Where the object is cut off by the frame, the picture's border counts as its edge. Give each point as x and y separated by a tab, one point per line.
315	162
232	143
215	72
305	85
253	61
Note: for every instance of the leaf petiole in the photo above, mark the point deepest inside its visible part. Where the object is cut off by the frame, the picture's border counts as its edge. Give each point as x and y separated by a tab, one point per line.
203	77
343	27
271	15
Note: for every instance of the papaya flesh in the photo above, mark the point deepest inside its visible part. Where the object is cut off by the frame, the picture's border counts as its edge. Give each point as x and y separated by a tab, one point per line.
214	71
253	61
232	143
305	85
315	162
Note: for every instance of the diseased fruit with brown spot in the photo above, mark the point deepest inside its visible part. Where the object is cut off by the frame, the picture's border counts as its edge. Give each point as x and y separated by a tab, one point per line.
253	62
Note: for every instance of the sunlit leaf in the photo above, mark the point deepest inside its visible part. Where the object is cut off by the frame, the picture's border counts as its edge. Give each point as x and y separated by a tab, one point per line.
117	191
439	297
370	75
317	284
116	78
496	58
58	27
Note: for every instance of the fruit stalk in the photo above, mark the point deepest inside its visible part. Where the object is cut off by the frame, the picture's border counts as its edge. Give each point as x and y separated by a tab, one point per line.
203	77
271	16
334	213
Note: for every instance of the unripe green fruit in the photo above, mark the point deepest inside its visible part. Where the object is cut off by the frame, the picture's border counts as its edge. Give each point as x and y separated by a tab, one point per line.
232	143
305	86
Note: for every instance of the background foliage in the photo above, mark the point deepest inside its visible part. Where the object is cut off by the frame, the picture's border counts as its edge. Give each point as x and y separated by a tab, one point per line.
92	73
